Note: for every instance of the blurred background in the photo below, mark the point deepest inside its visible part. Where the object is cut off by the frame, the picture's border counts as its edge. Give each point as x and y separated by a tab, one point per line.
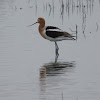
27	61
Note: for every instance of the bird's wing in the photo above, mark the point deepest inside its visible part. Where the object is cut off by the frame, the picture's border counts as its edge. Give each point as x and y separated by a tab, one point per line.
55	32
52	28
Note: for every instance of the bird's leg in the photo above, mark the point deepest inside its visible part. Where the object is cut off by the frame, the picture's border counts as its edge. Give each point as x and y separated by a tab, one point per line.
56	49
56	58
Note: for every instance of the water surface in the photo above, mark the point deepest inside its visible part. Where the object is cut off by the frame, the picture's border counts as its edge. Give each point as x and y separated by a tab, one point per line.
27	61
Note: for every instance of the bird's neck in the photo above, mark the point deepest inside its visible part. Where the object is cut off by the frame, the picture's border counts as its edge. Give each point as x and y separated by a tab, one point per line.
41	30
42	24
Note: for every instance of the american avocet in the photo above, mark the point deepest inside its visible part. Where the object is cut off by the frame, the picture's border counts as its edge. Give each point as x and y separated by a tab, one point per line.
52	33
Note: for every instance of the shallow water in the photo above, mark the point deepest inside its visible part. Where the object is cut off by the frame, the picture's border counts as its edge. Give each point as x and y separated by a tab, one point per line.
27	61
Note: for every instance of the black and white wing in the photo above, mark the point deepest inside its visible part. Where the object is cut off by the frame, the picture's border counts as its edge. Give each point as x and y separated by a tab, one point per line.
55	32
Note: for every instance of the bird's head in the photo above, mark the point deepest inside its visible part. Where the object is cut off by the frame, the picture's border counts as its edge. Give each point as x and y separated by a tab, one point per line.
41	21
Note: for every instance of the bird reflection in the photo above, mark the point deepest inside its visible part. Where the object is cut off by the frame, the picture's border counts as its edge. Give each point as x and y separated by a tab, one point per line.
50	76
55	68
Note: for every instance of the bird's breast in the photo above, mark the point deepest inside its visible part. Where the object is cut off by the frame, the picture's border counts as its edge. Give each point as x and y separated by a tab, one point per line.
42	32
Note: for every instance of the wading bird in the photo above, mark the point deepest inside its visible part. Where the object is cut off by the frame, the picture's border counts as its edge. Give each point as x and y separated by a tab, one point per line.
52	33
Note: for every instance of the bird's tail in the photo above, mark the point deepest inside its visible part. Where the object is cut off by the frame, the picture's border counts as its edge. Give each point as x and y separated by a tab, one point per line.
70	37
